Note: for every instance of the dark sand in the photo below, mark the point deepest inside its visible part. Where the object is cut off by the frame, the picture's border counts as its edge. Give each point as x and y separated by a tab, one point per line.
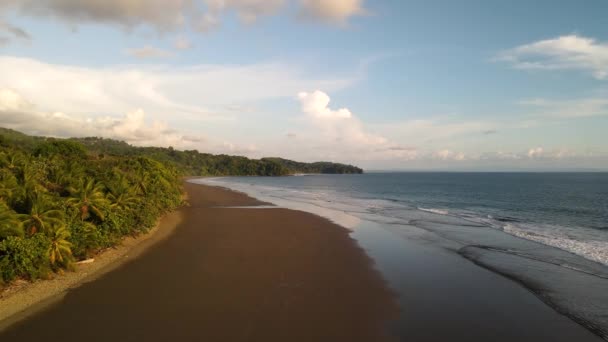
228	274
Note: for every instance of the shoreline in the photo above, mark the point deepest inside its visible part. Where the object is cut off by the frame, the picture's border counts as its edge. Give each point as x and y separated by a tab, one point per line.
231	272
497	296
21	300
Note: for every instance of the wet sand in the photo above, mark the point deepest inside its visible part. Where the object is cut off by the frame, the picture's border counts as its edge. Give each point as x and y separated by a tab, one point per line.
228	274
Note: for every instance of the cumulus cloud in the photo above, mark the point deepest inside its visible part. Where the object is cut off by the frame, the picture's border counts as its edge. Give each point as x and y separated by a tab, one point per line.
535	152
570	52
448	155
338	125
341	135
335	11
148	52
18	113
317	104
133	127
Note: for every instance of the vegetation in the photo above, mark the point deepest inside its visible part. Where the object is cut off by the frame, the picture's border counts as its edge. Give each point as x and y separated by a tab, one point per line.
59	204
195	163
62	200
317	167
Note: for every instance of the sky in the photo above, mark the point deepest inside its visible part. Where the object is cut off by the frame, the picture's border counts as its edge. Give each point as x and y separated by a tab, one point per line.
386	85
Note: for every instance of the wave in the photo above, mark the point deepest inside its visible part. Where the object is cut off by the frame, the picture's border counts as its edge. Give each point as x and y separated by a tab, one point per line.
559	237
589	243
435	211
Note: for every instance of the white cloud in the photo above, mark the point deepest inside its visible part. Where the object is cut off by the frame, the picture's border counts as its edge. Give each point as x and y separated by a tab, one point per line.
563	53
149	52
336	11
18	113
448	155
578	108
316	104
535	152
176	92
133	127
339	126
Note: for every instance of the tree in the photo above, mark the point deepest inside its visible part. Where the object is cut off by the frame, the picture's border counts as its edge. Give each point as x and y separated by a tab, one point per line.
9	222
66	148
42	215
121	194
12	159
60	248
88	198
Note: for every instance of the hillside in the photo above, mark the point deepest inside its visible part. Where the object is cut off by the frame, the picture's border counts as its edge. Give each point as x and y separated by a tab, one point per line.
190	162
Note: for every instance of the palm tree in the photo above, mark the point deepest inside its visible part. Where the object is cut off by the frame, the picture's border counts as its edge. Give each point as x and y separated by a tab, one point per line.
9	222
89	198
121	195
60	248
123	201
11	160
42	215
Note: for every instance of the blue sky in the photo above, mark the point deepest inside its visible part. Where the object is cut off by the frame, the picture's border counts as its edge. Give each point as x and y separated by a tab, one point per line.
456	85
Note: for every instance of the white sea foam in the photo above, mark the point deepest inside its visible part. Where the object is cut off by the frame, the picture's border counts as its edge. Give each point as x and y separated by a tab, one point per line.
435	211
580	241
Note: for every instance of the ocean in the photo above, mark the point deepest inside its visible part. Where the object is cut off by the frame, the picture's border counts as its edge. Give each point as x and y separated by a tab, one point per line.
545	231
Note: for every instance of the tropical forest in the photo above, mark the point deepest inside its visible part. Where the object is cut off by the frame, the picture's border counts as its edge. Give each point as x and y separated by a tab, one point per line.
64	200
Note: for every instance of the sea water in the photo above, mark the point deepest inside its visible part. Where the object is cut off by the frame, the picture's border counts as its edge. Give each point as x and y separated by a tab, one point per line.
547	231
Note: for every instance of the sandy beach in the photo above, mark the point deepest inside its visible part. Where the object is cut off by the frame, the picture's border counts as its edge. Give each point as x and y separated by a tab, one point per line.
228	274
23	298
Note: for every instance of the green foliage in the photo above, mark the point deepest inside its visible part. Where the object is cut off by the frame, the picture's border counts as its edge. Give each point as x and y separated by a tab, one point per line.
85	239
194	163
21	257
59	251
42	216
53	147
317	167
9	222
88	198
59	203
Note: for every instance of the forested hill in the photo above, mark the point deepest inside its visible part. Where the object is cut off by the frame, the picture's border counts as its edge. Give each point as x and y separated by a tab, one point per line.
195	163
316	167
192	162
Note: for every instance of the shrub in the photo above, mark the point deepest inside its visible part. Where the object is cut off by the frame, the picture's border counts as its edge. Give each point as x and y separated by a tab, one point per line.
24	257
